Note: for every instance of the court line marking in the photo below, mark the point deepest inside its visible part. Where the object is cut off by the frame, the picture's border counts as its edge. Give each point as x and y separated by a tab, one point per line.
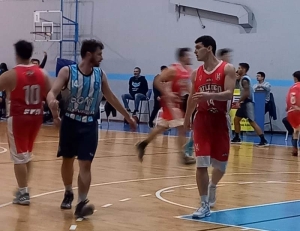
145	195
107	205
124	200
215	223
159	192
106	183
73	227
3	150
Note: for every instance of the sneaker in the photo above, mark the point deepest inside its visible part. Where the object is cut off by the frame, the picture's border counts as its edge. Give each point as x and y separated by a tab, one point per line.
21	199
203	211
140	147
151	125
189	148
67	201
84	210
212	195
263	143
188	160
295	151
236	140
135	113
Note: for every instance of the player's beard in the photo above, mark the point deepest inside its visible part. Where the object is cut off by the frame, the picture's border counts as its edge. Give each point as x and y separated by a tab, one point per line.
94	62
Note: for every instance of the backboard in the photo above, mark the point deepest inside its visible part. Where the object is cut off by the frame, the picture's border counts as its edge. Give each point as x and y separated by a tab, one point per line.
47	26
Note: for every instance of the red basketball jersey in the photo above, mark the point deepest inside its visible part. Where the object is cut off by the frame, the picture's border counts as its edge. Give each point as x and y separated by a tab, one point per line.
29	93
293	97
212	81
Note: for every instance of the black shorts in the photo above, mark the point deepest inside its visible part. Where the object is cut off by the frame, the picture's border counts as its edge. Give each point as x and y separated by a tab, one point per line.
246	111
78	139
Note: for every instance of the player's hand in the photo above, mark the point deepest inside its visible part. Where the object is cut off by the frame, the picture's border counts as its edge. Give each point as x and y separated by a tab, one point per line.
132	123
158	98
57	122
198	96
54	105
45	53
237	105
187	124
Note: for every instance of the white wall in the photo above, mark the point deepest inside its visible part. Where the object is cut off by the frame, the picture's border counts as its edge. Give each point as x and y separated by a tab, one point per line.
146	33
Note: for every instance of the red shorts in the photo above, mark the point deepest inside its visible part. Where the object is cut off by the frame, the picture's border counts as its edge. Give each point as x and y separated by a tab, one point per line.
172	118
211	139
294	119
21	132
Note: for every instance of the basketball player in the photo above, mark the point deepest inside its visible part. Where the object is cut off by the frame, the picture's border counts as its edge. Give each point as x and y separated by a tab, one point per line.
82	86
246	107
224	55
212	92
175	82
293	110
26	86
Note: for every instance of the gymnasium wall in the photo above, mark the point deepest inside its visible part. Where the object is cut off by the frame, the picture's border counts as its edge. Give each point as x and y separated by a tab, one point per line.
146	33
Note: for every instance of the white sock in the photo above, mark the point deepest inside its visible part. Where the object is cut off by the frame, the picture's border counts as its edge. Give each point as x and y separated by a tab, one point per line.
204	199
69	188
212	185
81	197
23	190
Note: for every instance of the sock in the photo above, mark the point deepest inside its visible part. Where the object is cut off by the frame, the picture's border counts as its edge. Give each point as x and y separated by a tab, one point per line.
81	197
204	199
212	185
295	143
262	137
237	135
69	188
23	190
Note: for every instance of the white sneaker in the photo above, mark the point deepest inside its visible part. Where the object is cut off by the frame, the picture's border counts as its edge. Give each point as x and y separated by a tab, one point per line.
203	211
212	195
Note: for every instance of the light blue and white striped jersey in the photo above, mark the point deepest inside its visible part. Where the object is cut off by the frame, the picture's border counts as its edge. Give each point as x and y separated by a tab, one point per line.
83	94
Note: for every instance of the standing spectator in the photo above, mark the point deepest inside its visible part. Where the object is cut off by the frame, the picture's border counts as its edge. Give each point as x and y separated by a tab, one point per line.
225	55
37	61
138	88
156	101
262	85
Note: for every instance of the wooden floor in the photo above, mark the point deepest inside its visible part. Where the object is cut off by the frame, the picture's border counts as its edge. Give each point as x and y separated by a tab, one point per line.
129	195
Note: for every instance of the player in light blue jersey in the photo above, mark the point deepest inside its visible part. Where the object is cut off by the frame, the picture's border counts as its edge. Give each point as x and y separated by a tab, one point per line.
82	86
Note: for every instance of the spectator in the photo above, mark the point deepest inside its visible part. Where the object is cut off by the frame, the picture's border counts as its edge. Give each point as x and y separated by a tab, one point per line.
37	62
156	101
138	88
3	68
238	79
262	85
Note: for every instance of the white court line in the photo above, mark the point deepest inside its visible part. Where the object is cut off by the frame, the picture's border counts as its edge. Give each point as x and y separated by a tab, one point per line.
191	188
168	191
145	195
73	227
3	150
215	223
107	183
107	205
245	183
126	199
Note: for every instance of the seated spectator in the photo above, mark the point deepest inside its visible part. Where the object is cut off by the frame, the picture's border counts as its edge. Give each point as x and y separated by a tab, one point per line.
37	62
138	88
262	85
3	68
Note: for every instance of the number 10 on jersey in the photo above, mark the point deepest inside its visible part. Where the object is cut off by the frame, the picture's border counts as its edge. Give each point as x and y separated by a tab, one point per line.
32	94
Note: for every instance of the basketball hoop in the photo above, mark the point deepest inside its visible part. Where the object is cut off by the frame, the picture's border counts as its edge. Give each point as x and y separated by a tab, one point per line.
45	35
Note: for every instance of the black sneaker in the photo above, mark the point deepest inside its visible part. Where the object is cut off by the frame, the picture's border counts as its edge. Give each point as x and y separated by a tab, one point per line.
151	125
67	201
84	210
236	140
263	143
141	146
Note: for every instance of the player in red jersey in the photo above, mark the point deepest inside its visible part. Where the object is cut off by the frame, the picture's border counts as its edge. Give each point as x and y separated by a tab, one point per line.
26	86
293	110
212	92
174	84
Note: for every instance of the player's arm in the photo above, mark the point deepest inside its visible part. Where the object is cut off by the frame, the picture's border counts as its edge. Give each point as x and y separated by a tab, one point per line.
166	75
59	83
191	104
112	99
246	93
8	80
229	85
48	83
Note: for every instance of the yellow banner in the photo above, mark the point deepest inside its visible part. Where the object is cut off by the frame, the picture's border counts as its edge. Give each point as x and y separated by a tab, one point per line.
245	125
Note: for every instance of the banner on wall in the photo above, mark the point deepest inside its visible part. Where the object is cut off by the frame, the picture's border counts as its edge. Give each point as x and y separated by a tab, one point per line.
245	125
